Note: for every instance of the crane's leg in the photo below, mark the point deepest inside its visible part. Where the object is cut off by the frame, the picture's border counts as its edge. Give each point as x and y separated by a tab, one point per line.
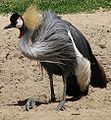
31	101
62	103
42	73
53	98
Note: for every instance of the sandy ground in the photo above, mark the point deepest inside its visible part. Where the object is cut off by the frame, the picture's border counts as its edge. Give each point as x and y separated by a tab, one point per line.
20	77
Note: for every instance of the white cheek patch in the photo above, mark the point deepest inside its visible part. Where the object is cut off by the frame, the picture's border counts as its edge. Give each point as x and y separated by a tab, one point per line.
19	23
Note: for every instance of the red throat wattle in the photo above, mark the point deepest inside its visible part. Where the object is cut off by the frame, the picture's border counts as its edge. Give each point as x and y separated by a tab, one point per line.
21	33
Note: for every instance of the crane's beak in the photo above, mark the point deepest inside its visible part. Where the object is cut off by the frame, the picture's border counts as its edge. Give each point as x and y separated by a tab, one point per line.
8	26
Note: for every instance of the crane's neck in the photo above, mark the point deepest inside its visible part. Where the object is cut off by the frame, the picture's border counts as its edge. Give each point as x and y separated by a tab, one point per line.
32	51
25	47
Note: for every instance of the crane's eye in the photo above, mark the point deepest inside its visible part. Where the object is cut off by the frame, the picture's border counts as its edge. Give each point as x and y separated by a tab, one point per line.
19	23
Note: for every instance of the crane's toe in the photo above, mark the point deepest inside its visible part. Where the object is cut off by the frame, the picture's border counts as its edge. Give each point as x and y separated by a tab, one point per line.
61	106
31	102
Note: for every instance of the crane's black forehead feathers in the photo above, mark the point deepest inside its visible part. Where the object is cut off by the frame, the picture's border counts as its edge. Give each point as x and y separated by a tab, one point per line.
14	17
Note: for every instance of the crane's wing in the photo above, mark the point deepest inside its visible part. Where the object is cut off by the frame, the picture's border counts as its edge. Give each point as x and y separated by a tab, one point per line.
98	77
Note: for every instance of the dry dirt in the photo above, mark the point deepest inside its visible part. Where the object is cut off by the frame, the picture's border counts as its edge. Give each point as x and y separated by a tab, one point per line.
20	77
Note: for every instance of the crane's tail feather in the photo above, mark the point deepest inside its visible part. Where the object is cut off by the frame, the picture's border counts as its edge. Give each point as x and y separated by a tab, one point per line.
98	79
98	76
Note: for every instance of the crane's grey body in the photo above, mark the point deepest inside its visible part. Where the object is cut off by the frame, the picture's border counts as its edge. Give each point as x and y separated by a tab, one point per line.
53	47
62	50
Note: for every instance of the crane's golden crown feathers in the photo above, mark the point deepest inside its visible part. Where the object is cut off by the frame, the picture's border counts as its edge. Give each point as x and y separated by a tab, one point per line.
32	17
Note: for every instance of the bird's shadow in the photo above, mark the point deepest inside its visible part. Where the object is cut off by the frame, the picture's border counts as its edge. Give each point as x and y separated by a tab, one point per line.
23	102
18	103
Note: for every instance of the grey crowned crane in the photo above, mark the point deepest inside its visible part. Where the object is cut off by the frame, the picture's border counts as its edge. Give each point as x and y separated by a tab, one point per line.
61	49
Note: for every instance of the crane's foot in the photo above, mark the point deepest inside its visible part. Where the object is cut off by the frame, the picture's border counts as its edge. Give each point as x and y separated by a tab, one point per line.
61	106
31	102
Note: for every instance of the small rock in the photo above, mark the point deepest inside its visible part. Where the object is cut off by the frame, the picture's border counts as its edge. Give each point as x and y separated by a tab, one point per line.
102	46
75	113
1	86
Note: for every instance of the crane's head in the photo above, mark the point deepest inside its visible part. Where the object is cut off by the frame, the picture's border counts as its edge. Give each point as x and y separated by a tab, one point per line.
31	19
16	21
